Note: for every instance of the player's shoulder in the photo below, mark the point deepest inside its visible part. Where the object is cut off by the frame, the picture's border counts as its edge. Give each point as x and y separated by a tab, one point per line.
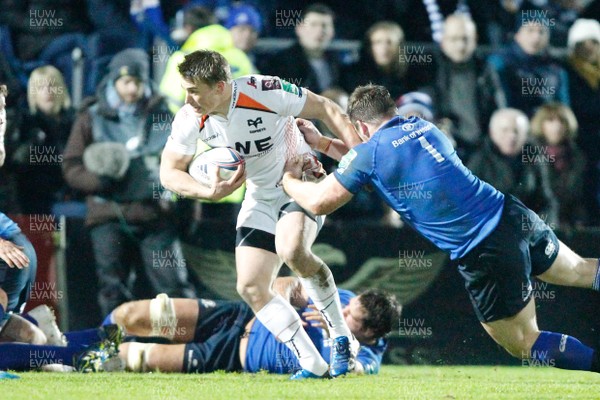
264	85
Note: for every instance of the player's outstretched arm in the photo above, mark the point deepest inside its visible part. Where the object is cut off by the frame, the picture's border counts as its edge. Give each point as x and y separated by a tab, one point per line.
321	108
319	198
174	176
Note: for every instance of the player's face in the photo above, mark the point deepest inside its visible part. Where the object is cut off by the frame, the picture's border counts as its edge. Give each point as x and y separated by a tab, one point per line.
202	97
316	31
532	38
354	314
129	88
459	40
385	47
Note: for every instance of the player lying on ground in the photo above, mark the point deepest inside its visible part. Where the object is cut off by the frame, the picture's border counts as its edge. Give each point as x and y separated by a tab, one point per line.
498	242
224	335
254	116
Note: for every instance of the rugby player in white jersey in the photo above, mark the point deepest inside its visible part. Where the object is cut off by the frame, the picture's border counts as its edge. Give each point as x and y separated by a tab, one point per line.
255	116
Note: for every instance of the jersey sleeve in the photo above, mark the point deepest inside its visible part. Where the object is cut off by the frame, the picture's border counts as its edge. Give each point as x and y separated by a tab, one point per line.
354	169
281	96
184	132
370	357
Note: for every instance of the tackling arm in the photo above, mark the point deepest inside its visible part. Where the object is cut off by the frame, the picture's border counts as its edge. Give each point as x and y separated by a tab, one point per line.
319	198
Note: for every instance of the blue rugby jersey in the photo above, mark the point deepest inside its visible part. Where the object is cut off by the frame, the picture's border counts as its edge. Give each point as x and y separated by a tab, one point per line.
415	170
8	227
268	354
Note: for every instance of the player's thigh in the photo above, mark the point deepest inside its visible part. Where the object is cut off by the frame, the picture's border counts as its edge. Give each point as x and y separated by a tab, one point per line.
256	267
569	268
517	333
295	232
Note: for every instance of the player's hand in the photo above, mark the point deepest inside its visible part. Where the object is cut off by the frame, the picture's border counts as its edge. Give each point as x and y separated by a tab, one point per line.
294	166
314	318
13	255
312	169
310	132
222	188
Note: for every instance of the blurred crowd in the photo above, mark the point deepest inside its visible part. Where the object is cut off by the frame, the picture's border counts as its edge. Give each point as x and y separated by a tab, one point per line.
514	84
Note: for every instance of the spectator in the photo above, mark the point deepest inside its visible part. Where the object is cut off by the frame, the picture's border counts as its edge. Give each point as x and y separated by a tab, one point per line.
423	19
41	140
508	162
245	24
213	37
113	156
555	127
308	62
465	89
529	76
584	90
380	61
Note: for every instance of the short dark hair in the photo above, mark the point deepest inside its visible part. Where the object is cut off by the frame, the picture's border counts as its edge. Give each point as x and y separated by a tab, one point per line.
198	17
319	8
3	90
383	310
205	66
370	103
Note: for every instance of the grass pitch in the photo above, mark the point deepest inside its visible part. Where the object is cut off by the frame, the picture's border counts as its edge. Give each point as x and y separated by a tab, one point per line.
394	382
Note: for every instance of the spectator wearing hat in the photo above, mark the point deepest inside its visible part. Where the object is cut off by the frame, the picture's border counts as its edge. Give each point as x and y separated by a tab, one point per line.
245	24
528	75
584	90
113	156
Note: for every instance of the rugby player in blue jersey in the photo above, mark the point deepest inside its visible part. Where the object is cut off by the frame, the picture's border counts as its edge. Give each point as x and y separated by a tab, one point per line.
205	335
498	242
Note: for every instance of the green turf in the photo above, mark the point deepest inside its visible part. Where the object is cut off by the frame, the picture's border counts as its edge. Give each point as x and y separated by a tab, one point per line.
397	382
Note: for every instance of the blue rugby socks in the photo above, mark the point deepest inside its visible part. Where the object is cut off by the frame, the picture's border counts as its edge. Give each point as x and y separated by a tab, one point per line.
563	351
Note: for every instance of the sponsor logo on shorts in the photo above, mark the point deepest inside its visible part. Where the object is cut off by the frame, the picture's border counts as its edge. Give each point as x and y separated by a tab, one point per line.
550	248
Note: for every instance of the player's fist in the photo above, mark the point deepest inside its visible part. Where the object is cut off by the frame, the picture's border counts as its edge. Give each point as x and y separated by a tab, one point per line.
309	131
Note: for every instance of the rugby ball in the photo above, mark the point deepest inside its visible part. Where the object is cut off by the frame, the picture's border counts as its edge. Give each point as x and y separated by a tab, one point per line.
227	160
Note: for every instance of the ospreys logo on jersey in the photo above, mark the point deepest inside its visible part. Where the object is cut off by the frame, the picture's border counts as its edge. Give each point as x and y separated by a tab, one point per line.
346	160
255	122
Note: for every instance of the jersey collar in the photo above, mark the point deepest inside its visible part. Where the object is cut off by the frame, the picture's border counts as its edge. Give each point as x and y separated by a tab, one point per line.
235	94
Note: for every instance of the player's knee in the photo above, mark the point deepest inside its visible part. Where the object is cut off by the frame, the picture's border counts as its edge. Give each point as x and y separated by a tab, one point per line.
295	255
519	347
34	335
136	355
253	294
130	315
